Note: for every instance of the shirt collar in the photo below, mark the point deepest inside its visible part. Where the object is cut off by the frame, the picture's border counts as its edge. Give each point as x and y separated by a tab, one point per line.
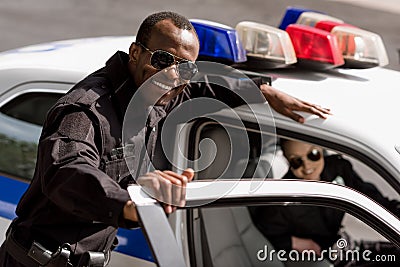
121	81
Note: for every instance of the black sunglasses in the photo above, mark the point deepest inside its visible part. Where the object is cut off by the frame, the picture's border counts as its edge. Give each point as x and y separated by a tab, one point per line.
313	155
161	59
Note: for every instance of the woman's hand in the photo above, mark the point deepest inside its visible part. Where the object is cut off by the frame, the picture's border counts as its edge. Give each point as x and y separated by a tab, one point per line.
301	244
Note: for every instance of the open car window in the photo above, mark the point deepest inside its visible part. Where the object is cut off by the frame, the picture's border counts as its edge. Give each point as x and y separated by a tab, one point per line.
229	152
236	236
237	228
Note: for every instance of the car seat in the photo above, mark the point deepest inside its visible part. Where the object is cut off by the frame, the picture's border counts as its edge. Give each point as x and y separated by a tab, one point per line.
233	240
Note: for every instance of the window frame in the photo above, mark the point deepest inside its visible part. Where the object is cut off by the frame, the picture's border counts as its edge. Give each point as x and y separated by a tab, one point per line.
287	129
292	133
56	88
299	192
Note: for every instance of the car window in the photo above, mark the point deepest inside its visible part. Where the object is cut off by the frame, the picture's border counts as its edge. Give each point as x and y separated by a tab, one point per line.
30	107
237	153
224	152
21	121
262	236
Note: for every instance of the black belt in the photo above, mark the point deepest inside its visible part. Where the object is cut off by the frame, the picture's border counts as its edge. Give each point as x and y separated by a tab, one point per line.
38	256
18	252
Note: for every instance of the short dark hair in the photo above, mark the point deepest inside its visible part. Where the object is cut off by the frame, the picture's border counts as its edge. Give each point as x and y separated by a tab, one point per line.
147	25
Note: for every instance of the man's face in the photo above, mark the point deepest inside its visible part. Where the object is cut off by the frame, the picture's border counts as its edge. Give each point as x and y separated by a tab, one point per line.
164	36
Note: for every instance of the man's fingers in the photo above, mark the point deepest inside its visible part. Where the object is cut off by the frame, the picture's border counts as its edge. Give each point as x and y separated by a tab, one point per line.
157	186
167	186
175	178
151	185
189	173
321	110
178	183
179	193
294	116
315	109
172	179
168	208
312	109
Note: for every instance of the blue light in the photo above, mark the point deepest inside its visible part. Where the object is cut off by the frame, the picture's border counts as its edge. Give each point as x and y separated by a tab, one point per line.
292	14
219	42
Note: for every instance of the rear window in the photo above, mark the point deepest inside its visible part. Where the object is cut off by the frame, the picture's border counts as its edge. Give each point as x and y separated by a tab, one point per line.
30	107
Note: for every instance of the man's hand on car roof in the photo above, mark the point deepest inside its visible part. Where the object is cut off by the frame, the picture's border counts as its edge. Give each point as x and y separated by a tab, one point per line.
167	187
286	104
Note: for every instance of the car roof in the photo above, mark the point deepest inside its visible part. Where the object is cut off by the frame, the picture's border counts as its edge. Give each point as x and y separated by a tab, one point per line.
364	104
85	55
65	61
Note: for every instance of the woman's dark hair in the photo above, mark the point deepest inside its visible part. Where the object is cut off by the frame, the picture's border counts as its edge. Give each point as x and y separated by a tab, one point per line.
282	142
148	24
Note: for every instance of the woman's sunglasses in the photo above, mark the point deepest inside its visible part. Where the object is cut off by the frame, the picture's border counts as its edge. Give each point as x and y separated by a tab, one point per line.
313	155
161	59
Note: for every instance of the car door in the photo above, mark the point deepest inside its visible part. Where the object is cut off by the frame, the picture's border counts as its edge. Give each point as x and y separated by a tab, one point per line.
221	233
230	151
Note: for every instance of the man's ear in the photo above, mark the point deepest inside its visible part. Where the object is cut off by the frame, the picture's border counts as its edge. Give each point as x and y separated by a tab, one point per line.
133	52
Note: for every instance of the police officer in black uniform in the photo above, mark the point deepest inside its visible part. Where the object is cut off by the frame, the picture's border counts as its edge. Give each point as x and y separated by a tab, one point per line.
78	199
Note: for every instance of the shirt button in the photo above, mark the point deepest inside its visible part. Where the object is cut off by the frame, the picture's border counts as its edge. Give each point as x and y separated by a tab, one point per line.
110	214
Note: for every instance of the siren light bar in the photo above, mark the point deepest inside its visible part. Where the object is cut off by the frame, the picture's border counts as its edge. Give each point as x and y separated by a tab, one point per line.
312	39
312	18
218	42
266	46
360	48
292	14
327	25
315	48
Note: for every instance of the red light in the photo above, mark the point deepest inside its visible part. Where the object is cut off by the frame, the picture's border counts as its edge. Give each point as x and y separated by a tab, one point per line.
313	44
346	44
327	25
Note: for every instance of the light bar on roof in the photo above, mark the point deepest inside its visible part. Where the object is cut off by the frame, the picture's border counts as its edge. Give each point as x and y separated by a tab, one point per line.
360	48
327	25
315	48
218	42
265	46
312	18
292	14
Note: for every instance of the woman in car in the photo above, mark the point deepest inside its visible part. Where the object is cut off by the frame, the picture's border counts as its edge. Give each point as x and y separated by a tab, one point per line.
311	227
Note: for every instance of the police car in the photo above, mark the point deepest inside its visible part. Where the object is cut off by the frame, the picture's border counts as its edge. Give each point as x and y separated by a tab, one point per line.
312	56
